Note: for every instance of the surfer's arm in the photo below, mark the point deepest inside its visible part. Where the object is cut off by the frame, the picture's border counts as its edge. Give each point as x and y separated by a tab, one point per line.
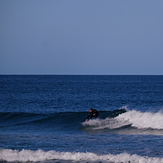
89	116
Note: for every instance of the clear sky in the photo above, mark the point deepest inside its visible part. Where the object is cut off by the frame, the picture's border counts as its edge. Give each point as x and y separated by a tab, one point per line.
112	37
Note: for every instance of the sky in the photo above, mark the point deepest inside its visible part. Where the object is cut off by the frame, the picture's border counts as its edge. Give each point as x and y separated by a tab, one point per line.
81	37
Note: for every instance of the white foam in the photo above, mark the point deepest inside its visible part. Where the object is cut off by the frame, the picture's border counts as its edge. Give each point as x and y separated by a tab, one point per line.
110	123
134	118
142	120
40	155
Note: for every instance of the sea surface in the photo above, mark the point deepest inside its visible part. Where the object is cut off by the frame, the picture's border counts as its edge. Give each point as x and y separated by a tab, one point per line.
42	119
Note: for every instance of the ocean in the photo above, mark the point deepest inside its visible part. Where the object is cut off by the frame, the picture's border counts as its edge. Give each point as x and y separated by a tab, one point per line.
42	118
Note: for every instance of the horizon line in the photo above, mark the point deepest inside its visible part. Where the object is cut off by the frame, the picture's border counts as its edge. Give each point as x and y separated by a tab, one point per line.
87	74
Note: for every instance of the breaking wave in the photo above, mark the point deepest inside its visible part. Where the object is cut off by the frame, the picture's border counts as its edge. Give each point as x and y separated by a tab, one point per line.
61	119
54	156
118	120
143	120
133	118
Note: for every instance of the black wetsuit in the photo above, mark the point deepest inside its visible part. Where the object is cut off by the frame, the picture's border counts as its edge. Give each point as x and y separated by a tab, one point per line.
93	114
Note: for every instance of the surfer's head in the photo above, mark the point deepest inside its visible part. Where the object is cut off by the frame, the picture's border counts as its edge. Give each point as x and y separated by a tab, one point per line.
90	109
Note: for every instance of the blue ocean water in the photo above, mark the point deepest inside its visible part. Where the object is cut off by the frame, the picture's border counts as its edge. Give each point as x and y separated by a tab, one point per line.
42	118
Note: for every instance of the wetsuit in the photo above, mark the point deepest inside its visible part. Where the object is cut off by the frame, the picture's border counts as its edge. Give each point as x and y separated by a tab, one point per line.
93	114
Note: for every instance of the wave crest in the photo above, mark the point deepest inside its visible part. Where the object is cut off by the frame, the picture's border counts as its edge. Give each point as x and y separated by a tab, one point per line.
143	120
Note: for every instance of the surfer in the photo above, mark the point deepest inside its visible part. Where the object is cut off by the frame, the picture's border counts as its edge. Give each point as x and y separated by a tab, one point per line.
93	113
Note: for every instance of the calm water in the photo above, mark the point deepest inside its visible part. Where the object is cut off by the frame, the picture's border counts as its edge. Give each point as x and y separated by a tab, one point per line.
42	119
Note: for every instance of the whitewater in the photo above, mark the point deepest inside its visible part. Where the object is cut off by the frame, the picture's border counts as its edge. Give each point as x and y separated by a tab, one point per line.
136	119
39	155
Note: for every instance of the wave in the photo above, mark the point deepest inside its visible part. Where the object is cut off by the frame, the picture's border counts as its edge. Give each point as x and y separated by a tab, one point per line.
117	120
134	119
10	155
143	120
13	119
